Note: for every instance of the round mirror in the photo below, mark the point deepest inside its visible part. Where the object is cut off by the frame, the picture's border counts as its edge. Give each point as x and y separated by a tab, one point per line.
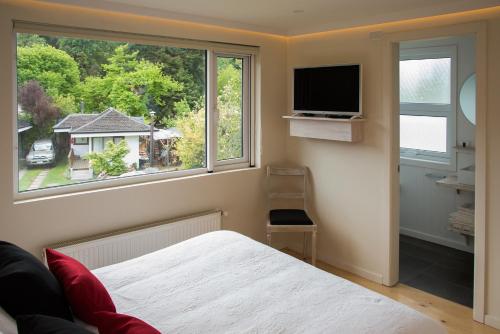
468	99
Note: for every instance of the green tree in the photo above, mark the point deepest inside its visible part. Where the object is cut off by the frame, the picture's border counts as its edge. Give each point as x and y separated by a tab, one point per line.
28	40
110	161
191	147
89	54
132	85
186	66
181	109
67	104
54	69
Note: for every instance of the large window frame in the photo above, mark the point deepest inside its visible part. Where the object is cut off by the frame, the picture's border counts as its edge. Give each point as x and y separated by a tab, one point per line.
441	160
213	49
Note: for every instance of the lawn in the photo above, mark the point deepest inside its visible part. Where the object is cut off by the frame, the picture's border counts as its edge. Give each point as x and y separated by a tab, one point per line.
28	178
57	175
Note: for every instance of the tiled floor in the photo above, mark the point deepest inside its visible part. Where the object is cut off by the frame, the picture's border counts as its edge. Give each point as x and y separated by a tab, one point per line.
440	270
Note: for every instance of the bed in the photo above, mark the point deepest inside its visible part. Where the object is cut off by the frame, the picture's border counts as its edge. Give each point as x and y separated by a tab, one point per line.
224	282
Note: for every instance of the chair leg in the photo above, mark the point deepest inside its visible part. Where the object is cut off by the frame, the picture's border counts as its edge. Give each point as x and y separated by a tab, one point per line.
304	251
269	239
313	250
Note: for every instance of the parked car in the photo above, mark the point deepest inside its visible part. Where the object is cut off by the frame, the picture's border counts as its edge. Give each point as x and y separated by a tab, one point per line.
42	152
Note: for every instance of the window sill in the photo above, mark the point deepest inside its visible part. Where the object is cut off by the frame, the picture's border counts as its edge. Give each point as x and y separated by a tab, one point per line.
117	184
427	163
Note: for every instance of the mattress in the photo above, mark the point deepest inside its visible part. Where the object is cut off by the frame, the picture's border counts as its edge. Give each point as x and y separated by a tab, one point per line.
224	282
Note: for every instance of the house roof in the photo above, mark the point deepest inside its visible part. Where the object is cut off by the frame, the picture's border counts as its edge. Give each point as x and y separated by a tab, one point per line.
74	121
109	121
167	134
23	125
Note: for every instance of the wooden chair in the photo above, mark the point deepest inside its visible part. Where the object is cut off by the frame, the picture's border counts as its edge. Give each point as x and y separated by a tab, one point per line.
290	220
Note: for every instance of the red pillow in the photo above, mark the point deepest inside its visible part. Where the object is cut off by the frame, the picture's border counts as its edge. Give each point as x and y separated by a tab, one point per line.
85	293
116	323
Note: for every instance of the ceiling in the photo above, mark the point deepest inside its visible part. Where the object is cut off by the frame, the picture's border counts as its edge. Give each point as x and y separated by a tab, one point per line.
286	17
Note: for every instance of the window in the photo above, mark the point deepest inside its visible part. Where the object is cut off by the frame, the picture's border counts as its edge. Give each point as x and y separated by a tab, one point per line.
423	133
117	140
426	81
232	124
117	109
427	106
81	141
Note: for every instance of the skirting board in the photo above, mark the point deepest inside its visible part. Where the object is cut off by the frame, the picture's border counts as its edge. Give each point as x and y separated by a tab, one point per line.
492	321
365	273
432	238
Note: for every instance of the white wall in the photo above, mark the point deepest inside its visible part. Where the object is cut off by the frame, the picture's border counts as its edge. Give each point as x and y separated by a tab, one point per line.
350	182
132	143
133	156
80	150
33	224
349	186
425	206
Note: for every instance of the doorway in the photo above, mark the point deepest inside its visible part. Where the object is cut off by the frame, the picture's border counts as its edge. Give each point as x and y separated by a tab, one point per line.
437	166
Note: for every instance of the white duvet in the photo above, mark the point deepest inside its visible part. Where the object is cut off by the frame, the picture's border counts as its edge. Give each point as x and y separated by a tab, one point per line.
223	282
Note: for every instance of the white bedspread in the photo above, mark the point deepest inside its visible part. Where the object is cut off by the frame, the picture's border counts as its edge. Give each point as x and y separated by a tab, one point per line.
223	282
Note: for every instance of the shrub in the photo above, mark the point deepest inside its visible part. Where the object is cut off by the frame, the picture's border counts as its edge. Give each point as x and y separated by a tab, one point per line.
110	161
191	147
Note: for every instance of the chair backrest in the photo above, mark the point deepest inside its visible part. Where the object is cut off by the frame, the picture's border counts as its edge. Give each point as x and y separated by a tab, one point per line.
286	172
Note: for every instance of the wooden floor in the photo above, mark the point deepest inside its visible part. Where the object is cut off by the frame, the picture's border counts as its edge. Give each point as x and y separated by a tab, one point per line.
455	317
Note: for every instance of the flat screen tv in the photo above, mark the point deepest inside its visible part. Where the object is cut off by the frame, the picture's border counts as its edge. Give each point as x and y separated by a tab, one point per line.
328	90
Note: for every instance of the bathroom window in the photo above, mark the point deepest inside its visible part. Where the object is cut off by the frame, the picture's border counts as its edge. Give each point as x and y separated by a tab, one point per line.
427	81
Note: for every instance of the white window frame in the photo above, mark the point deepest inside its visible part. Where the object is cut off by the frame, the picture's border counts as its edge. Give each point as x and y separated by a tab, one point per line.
244	160
441	160
85	142
213	49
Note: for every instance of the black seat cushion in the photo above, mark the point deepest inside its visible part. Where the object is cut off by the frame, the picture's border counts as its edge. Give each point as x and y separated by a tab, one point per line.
289	217
27	286
42	324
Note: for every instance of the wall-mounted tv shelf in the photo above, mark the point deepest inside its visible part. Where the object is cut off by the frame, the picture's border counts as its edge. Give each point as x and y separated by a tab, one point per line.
341	129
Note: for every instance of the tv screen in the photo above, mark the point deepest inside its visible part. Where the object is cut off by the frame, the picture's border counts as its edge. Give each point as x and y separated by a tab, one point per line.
327	90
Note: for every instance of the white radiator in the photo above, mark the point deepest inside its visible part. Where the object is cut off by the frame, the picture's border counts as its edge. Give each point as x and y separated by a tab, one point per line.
106	249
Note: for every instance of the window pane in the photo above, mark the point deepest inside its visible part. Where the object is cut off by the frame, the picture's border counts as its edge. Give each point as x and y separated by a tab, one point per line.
87	108
230	108
425	80
423	133
81	141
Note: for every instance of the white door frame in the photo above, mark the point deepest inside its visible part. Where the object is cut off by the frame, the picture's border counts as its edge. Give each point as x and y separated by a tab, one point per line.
390	103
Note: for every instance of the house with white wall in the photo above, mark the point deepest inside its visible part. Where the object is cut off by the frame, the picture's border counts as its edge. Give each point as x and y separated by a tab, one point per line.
90	133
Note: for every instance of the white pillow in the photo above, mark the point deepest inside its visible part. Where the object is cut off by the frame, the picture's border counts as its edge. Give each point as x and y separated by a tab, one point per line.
7	323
